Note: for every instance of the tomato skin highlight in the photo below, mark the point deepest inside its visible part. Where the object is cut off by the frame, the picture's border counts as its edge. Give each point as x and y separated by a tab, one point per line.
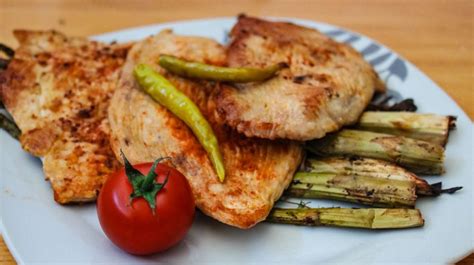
132	225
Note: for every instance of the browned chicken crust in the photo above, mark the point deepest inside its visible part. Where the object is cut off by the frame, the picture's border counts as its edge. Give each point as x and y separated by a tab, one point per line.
58	90
257	171
327	85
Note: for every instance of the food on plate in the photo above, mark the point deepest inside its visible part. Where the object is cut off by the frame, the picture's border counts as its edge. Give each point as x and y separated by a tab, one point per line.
361	180
217	73
146	208
232	121
327	84
427	127
184	108
257	170
415	155
57	89
377	218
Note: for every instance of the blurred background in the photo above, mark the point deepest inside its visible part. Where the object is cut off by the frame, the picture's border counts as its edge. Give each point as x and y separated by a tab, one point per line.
437	36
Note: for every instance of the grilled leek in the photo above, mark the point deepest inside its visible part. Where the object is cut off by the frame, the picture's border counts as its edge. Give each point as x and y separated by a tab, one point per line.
415	155
343	217
427	127
361	180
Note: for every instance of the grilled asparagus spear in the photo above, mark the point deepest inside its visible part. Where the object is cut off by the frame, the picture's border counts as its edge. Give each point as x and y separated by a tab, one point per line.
344	217
361	180
415	155
427	127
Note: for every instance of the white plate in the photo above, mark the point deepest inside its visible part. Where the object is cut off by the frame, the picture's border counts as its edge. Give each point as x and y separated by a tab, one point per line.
37	230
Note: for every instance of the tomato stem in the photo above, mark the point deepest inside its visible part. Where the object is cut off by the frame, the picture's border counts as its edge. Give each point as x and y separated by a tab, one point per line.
147	184
144	186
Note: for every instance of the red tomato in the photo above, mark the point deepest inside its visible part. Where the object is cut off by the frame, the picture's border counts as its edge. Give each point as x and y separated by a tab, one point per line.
133	227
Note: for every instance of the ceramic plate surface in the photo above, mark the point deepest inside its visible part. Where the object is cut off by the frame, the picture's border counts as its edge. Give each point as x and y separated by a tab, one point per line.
38	230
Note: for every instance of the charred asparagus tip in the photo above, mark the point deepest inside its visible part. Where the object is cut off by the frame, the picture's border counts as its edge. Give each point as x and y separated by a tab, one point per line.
4	63
9	52
437	189
404	105
9	126
427	127
451	190
452	122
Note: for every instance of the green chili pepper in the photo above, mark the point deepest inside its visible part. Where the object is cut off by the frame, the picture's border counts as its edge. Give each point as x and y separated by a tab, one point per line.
160	89
216	73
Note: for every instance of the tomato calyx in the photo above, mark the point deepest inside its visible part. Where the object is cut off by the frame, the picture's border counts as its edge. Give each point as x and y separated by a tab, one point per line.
144	186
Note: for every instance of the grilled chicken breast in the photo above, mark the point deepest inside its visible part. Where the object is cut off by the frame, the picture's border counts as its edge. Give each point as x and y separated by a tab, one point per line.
257	170
326	86
57	89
